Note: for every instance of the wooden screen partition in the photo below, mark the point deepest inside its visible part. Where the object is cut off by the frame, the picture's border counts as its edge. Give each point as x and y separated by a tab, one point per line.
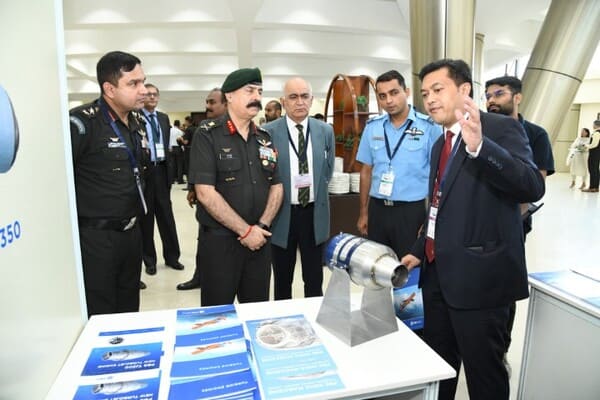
350	103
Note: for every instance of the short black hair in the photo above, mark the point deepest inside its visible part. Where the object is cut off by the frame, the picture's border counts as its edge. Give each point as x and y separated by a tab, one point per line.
177	123
277	104
390	76
112	65
149	85
458	71
512	82
319	116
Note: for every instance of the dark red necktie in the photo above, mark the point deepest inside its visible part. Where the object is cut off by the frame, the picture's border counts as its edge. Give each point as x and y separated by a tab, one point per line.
444	156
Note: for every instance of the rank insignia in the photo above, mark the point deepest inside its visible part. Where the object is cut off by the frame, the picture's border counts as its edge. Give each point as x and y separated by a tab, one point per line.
226	149
264	142
265	162
414	131
231	127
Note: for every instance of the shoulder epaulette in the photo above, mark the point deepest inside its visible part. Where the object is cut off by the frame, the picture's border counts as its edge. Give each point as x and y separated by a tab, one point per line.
376	118
139	117
209	124
79	116
422	116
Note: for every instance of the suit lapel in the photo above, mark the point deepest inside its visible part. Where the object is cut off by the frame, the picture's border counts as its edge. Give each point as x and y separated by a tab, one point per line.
455	165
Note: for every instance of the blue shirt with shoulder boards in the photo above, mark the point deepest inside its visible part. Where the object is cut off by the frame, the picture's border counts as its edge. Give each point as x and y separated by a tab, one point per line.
540	146
410	164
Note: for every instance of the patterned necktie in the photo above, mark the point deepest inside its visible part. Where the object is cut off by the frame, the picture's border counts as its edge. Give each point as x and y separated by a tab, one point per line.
444	157
304	192
154	127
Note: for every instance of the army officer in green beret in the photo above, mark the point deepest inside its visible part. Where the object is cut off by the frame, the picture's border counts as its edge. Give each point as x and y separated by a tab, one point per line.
234	169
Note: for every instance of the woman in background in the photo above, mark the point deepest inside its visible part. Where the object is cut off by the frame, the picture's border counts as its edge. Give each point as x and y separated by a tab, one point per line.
577	158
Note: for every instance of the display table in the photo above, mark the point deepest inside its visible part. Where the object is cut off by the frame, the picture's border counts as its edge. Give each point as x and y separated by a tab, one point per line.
561	354
396	363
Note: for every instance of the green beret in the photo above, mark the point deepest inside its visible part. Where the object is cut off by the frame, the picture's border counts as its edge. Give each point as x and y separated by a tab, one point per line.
241	77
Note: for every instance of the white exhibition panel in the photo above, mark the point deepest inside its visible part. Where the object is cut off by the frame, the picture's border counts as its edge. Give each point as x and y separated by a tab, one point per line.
42	310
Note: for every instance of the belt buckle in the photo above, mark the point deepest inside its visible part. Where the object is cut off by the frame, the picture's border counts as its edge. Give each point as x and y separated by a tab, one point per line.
130	224
389	203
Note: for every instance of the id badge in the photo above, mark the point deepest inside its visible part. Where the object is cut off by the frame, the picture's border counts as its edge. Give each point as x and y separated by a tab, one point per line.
302	181
431	222
387	184
160	150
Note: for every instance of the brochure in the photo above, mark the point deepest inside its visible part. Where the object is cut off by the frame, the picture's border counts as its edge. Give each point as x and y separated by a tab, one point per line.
408	301
291	359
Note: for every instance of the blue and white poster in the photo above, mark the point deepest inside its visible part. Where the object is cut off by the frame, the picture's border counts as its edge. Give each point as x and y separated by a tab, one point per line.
210	359
240	385
291	359
198	326
574	283
125	351
137	389
408	301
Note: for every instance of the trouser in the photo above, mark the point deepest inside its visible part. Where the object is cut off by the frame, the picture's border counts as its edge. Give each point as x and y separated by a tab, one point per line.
396	227
594	168
112	264
158	200
229	269
475	338
301	236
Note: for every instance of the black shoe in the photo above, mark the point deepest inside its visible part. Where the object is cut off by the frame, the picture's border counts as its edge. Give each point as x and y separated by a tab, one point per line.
151	269
176	265
142	285
189	285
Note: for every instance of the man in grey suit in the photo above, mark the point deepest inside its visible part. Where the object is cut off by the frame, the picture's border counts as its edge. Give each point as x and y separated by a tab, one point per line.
306	154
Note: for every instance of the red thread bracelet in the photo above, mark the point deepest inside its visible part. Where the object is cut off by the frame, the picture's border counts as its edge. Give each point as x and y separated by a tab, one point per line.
247	232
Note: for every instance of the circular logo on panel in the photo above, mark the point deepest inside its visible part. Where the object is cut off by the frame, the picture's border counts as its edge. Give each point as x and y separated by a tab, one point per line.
9	133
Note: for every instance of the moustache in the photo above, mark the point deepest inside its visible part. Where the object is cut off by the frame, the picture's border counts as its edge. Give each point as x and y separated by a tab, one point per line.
256	103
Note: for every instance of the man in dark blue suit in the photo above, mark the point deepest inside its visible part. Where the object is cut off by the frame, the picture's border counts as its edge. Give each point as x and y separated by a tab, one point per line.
471	247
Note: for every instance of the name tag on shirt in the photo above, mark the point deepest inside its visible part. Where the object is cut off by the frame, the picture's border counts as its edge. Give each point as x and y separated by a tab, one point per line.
302	181
160	150
116	145
387	183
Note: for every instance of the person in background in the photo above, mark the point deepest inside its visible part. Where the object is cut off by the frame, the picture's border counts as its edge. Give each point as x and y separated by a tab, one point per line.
186	142
272	111
176	154
594	159
108	139
503	96
158	189
319	117
471	249
395	150
234	169
306	156
216	106
577	158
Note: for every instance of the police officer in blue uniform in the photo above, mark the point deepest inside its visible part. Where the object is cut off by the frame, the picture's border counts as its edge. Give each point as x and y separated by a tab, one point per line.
108	140
234	169
395	149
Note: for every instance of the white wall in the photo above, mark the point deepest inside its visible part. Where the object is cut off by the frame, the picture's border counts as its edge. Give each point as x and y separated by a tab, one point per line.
41	305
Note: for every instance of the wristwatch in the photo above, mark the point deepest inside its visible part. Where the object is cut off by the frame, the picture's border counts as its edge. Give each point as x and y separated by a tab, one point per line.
9	132
264	226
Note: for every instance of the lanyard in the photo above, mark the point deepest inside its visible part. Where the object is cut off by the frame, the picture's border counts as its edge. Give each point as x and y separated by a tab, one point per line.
301	157
132	162
387	142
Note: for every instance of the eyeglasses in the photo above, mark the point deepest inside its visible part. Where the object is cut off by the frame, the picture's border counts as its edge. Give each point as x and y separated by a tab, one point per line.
152	94
297	97
497	93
